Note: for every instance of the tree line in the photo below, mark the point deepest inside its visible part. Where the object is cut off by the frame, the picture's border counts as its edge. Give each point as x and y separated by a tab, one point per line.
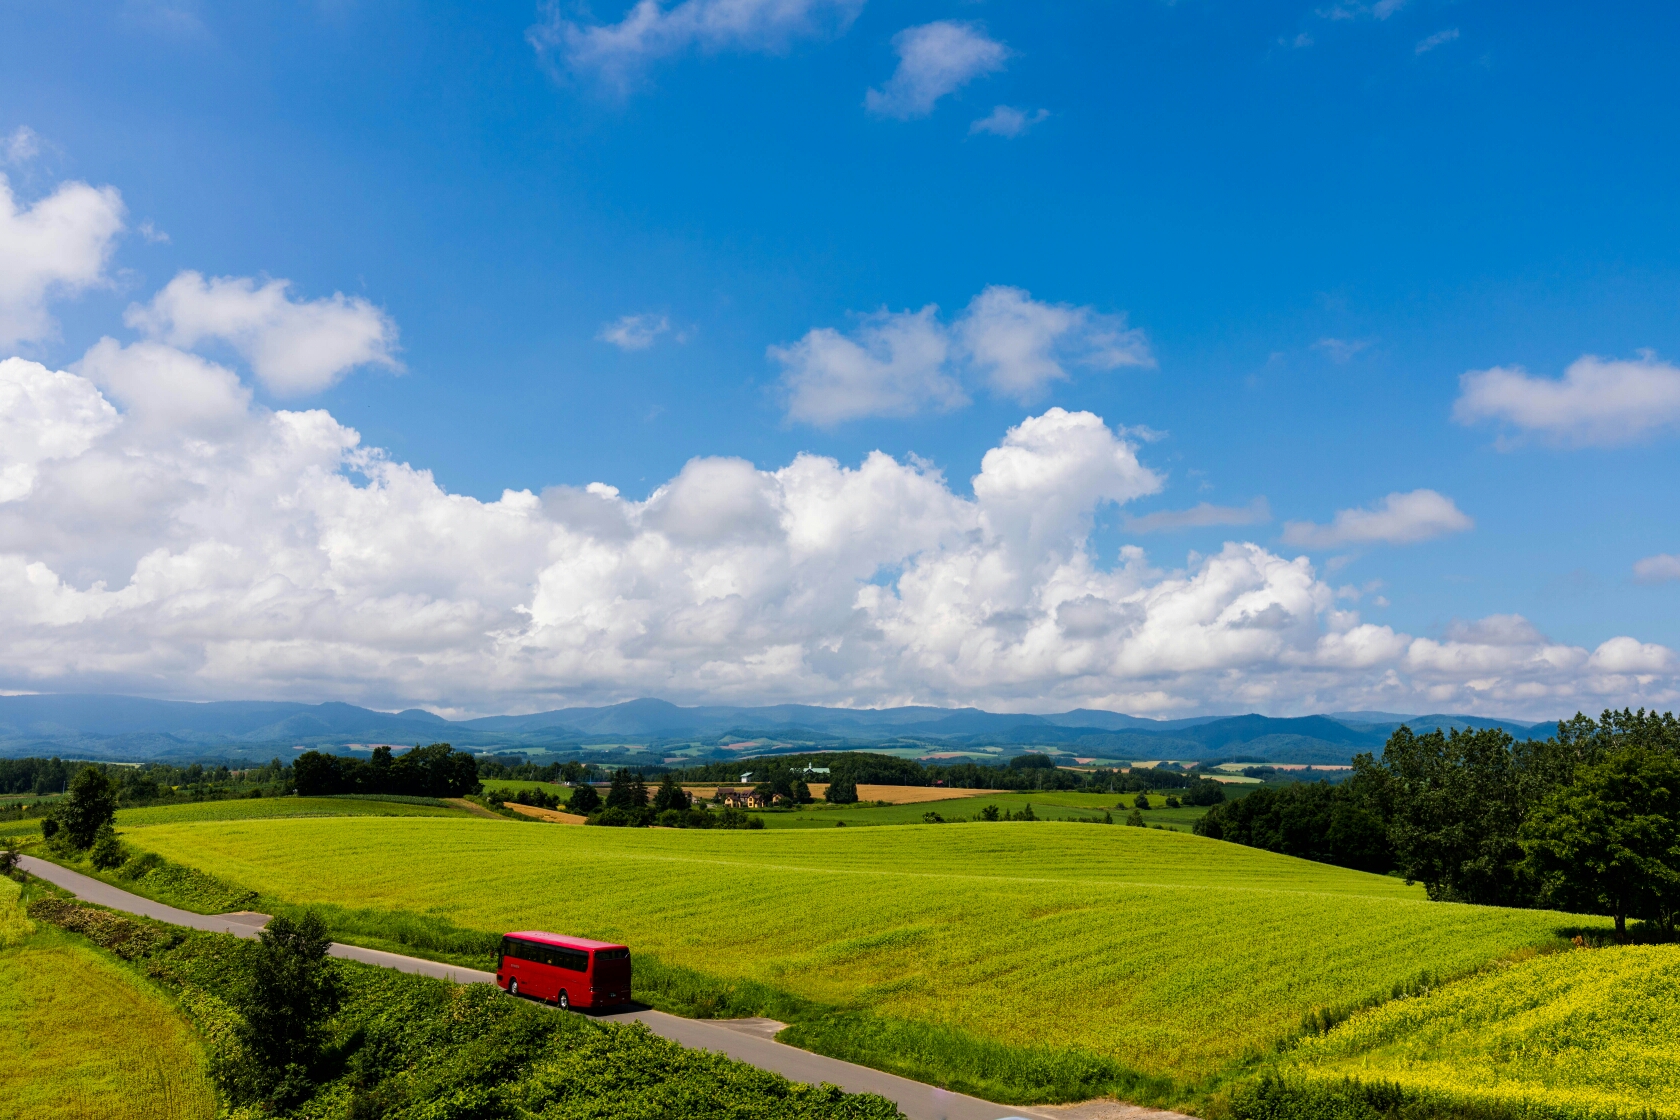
1587	820
1024	773
435	771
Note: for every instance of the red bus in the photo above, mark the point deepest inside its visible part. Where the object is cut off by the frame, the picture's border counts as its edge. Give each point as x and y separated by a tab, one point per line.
569	971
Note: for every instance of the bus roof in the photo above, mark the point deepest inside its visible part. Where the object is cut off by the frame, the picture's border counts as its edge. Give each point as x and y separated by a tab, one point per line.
565	942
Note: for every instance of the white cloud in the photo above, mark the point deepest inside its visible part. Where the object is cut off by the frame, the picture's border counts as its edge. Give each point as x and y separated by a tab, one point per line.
634	332
293	347
44	415
1340	349
152	234
904	363
1440	38
616	53
21	146
894	365
1357	9
1597	403
1661	568
199	545
934	60
1400	519
1007	121
58	245
1020	344
1202	515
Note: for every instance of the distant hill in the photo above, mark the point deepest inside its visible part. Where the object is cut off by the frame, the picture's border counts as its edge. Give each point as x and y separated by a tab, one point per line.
133	728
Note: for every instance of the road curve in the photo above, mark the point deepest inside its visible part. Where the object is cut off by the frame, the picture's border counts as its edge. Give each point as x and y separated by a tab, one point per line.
744	1042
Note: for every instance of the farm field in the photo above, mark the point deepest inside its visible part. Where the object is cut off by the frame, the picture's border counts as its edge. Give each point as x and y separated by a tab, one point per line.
1046	805
1595	1031
84	1038
1175	954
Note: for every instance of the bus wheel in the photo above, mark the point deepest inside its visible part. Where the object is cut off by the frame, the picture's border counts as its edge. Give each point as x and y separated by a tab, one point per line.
513	987
565	1003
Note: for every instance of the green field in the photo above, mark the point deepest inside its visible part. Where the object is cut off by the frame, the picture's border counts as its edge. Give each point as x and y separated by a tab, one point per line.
237	809
82	1037
1168	953
1588	1033
1046	805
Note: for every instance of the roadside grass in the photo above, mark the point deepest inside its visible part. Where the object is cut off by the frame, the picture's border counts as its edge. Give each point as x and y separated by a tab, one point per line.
1581	1034
84	1037
1164	954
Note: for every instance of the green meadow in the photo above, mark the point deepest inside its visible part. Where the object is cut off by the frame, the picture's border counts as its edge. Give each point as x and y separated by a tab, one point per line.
1164	953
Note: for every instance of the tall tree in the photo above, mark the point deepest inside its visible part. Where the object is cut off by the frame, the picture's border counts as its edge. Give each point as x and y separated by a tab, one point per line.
1609	842
92	805
1454	803
291	991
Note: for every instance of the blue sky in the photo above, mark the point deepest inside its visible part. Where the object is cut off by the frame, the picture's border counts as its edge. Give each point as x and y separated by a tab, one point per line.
1304	224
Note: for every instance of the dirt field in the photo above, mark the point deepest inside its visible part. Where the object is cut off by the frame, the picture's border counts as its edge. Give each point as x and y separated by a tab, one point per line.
892	795
553	815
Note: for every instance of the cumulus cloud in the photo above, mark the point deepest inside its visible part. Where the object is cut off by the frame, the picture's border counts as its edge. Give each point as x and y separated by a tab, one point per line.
294	347
1399	519
1597	403
934	60
1020	345
1201	516
893	365
1661	568
59	245
908	362
166	533
634	332
1008	122
617	53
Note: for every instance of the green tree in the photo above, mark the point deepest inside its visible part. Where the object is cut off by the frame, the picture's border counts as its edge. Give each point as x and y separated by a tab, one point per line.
841	791
1141	801
1609	842
92	805
670	795
620	796
801	792
1454	803
290	993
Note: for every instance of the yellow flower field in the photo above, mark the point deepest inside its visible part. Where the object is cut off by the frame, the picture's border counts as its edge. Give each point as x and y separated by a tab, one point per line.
1595	1031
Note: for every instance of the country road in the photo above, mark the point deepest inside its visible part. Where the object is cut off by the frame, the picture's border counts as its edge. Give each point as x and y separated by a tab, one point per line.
745	1040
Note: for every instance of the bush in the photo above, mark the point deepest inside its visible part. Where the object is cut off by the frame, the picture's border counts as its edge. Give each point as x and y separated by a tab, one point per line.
932	817
1173	802
989	813
614	817
1135	819
107	851
1141	801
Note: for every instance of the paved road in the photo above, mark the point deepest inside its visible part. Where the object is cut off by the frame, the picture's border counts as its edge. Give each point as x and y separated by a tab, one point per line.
744	1040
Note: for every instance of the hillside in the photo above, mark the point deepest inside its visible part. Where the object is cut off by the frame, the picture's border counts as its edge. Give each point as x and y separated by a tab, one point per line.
133	728
1182	954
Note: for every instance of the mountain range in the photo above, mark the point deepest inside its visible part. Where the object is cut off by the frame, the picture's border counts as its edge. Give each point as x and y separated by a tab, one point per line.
136	729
